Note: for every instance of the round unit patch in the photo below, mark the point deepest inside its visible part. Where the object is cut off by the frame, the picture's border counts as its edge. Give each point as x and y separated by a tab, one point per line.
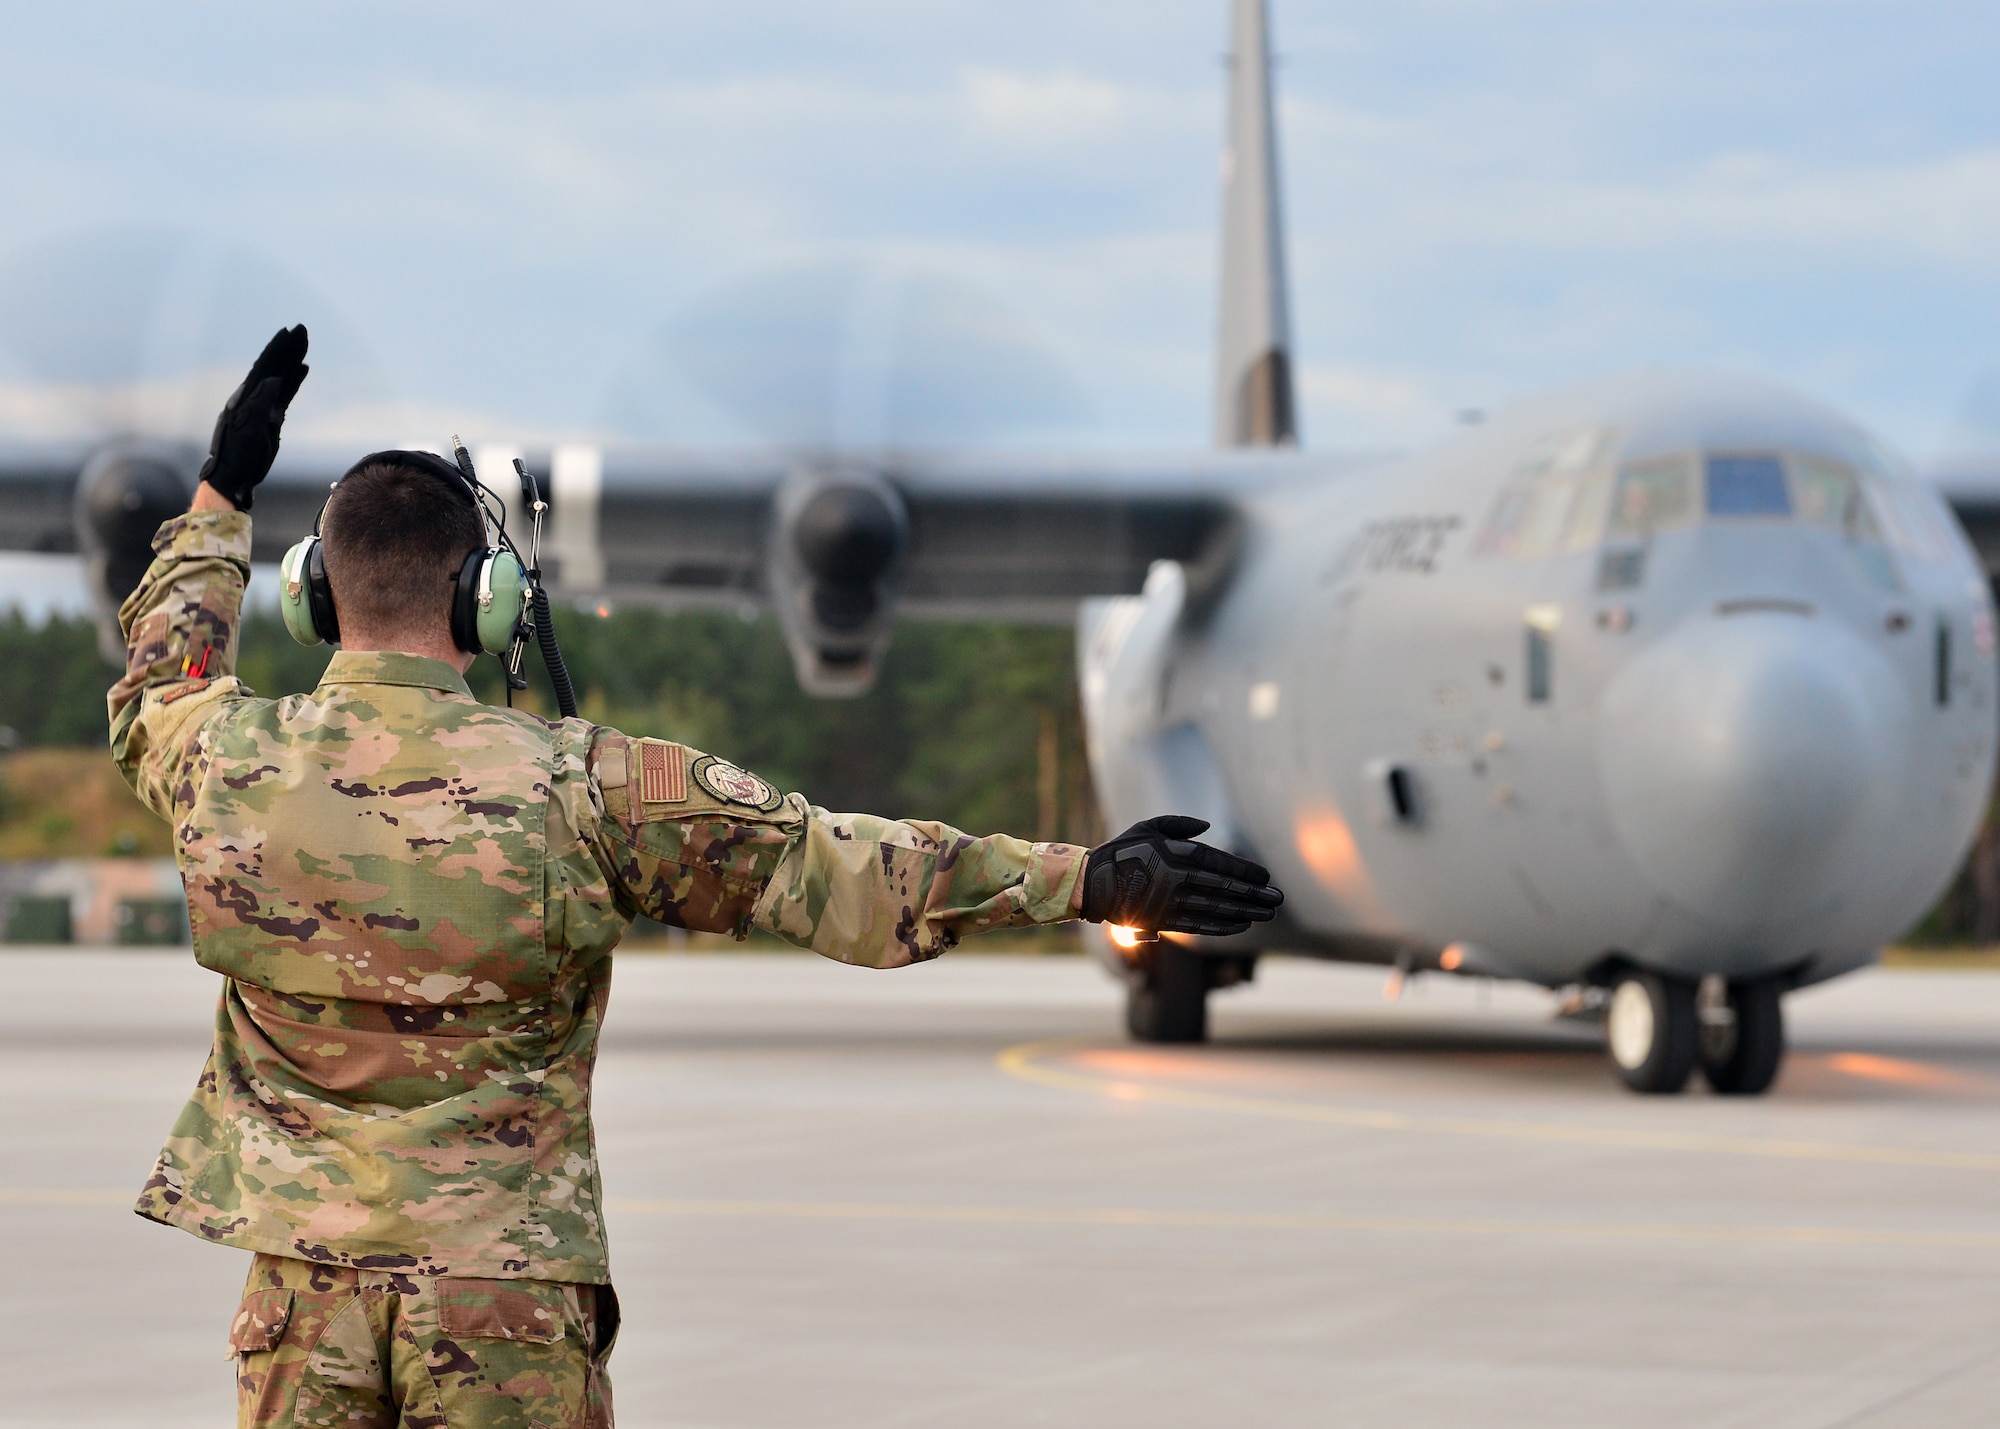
735	786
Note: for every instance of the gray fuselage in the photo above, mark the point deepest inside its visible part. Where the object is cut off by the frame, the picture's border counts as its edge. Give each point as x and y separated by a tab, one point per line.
1677	672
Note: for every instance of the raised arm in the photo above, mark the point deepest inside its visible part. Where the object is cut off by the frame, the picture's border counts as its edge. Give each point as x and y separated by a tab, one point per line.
181	622
180	648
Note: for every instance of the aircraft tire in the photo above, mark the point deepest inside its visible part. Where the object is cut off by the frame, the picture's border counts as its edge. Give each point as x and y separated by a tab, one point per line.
1167	1000
1652	1031
1740	1056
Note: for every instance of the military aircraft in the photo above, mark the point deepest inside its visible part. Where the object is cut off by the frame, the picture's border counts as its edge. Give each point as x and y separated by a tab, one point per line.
1674	691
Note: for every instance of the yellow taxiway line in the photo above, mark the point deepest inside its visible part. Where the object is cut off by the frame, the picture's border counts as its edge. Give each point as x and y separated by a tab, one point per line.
1023	1062
1138	1217
1246	1220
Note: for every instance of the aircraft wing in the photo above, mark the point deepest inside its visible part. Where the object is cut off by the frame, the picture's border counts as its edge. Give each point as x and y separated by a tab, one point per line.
1022	541
837	545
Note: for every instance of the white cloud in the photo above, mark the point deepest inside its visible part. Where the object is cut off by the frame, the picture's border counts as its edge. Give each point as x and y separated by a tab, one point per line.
1945	209
1484	199
1351	406
76	411
1040	111
1382	398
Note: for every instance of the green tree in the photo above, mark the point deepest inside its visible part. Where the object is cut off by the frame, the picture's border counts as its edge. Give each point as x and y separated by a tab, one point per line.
55	684
975	724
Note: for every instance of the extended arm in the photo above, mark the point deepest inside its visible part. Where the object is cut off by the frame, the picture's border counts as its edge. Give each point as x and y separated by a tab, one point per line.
883	893
696	843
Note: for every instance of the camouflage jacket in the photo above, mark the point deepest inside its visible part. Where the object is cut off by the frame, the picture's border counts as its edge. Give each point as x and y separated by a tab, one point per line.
413	897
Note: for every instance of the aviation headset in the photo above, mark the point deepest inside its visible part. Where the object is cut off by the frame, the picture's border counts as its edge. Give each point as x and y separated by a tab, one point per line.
489	602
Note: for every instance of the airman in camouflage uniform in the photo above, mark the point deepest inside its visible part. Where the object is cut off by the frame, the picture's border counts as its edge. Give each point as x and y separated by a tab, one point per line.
412	898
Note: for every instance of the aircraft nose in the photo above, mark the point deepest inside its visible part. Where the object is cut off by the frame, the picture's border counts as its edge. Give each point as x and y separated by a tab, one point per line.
1741	753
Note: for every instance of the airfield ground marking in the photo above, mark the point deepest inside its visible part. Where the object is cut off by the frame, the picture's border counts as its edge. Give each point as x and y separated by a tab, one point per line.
1020	1062
1202	1220
1870	1067
1243	1220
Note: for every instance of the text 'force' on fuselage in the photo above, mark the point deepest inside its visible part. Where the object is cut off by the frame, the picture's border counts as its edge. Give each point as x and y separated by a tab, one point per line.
1680	671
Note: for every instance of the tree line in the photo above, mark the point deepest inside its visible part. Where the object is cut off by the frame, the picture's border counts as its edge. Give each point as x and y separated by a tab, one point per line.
976	724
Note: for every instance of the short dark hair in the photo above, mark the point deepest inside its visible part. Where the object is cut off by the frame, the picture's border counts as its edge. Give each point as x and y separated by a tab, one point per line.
396	530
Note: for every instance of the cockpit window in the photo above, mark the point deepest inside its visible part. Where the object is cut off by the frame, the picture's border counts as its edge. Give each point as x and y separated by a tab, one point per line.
1831	494
1747	486
1827	493
1652	496
1568	497
1913	517
1556	500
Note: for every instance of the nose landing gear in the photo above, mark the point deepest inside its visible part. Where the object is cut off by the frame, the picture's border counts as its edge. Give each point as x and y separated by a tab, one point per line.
1742	1035
1167	998
1166	991
1651	1031
1658	1028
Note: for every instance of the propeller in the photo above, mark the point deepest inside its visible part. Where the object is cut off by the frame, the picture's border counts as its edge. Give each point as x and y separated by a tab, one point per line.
142	332
839	363
120	345
853	355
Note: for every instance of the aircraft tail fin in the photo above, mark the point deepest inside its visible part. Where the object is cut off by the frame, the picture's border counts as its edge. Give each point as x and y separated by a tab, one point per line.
1254	400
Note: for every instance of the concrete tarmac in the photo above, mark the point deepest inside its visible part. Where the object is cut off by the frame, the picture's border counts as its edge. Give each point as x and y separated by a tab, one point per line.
954	1195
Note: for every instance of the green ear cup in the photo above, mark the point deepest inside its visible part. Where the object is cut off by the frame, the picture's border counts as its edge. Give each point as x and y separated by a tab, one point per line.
294	600
502	597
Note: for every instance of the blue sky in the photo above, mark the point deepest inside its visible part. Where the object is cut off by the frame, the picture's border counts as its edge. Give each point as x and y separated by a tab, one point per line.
673	220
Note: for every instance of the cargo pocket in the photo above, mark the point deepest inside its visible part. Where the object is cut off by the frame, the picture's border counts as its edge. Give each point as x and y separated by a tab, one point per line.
525	1311
509	1352
346	1380
260	1321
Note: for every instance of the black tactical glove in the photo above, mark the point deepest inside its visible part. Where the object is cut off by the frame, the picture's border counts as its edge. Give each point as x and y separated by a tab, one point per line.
246	434
1155	879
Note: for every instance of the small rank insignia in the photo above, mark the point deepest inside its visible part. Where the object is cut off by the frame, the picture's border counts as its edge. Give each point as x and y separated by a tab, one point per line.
662	772
734	786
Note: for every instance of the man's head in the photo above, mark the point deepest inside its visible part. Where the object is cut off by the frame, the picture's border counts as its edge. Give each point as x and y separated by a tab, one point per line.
395	532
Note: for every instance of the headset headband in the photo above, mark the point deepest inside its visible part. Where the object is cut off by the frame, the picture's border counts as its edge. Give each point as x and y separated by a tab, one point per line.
429	463
424	461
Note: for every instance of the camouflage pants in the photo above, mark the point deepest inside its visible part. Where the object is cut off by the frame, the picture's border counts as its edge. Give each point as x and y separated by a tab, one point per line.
366	1349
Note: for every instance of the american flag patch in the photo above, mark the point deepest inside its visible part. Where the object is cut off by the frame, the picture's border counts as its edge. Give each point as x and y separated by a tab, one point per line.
662	773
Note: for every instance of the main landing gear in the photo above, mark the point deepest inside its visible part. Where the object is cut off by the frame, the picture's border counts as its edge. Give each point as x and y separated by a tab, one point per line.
1166	991
1659	1028
1166	997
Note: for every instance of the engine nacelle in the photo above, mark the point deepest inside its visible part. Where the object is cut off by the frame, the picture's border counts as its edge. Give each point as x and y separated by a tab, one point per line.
836	552
122	496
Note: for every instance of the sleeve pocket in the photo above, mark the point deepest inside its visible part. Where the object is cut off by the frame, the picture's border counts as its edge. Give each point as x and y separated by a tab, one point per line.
260	1321
521	1310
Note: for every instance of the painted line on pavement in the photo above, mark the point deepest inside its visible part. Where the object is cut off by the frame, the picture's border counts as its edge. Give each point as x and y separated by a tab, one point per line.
1023	1062
1200	1220
1870	1067
1244	1220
